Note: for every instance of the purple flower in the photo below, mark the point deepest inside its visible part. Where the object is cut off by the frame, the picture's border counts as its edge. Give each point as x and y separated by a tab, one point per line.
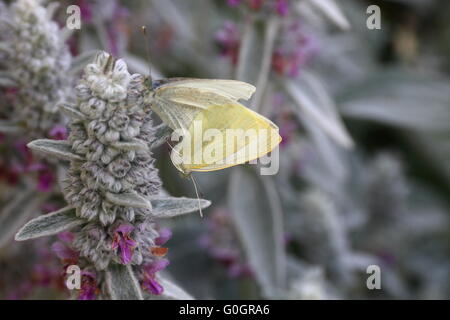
64	252
150	284
85	10
59	132
66	236
89	289
233	3
228	40
45	181
282	7
124	242
164	235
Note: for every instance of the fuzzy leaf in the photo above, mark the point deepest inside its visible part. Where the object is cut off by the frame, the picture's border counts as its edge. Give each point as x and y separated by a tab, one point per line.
80	61
169	207
161	135
402	99
136	144
122	284
306	107
58	148
171	291
257	216
331	10
70	111
5	80
9	127
49	224
128	200
16	213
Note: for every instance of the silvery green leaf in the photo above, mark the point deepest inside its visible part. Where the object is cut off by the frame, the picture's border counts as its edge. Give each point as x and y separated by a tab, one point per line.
70	111
409	112
398	98
49	224
331	10
58	148
171	291
66	33
10	127
131	199
5	80
306	107
161	135
245	51
121	283
271	32
136	144
4	47
80	61
258	219
51	9
169	207
16	212
329	161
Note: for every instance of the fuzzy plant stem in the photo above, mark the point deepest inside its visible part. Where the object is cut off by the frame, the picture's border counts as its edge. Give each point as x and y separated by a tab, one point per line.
271	32
111	187
245	48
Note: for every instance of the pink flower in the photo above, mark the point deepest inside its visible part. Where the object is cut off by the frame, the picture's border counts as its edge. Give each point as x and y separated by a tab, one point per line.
45	181
164	235
282	7
150	284
228	40
233	3
58	132
85	10
89	289
124	242
64	252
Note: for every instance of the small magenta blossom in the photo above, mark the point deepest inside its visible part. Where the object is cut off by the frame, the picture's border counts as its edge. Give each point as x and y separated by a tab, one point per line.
164	235
58	132
282	7
233	3
221	244
45	181
124	242
63	249
294	50
89	289
228	38
150	284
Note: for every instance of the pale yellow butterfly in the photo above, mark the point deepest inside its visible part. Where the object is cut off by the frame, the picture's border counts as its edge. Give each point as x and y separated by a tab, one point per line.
236	134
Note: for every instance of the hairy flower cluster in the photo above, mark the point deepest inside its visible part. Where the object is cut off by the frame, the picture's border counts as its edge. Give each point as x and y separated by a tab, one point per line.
114	176
294	49
38	64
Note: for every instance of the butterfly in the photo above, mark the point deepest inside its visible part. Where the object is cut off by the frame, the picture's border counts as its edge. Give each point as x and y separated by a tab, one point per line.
230	133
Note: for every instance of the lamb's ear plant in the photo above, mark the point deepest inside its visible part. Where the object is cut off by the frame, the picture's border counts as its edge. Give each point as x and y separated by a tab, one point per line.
38	62
34	79
112	189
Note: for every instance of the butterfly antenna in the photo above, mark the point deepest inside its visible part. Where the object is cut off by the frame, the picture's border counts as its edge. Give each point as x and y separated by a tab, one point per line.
198	197
147	49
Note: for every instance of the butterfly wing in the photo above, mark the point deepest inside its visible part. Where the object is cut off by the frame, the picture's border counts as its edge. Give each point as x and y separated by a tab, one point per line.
238	135
184	103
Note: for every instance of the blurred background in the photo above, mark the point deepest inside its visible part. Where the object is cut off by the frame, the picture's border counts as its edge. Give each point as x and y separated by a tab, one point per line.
364	165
